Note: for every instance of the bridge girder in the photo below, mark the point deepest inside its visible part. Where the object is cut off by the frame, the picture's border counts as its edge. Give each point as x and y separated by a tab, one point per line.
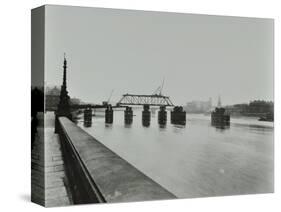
152	100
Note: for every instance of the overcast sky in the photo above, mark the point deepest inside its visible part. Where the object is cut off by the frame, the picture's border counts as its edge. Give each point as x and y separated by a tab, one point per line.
199	56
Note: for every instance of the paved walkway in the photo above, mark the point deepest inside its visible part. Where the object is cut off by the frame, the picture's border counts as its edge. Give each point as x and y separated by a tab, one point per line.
55	183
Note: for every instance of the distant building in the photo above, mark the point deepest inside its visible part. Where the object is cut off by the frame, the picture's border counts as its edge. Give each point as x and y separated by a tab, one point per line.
237	109
199	106
52	98
254	108
75	101
259	106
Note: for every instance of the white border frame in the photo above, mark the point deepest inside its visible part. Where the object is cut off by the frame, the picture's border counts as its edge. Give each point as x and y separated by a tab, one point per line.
15	70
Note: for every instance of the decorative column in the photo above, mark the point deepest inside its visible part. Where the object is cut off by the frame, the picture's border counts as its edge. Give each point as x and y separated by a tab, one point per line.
64	104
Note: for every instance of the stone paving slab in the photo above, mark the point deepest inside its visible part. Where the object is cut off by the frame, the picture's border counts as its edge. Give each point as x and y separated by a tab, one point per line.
49	181
37	164
55	178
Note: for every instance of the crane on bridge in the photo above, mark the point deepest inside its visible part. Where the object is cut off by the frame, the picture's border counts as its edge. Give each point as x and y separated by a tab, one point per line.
108	100
159	90
154	99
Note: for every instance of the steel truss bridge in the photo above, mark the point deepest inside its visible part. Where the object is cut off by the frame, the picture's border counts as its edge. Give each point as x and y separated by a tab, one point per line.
152	100
93	106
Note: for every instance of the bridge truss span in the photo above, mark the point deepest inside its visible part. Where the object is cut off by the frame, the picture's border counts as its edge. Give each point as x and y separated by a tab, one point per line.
152	100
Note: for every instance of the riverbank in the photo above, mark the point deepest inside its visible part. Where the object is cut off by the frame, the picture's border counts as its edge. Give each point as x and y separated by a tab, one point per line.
95	169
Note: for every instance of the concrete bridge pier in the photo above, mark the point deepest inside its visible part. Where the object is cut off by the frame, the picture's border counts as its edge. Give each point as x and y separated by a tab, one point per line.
88	117
109	115
146	116
162	116
178	116
128	115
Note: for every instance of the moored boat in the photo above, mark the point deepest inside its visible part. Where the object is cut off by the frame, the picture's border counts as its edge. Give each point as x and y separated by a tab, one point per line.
267	117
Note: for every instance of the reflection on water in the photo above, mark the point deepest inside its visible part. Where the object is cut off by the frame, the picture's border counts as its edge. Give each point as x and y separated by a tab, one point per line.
197	159
220	126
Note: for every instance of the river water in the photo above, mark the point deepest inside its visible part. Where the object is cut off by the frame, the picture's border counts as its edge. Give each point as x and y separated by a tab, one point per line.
196	160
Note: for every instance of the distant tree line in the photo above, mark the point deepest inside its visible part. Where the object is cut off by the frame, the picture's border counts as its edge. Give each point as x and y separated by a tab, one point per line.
37	100
37	105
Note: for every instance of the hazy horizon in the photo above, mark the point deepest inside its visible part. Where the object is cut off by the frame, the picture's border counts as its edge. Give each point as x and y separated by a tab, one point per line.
199	56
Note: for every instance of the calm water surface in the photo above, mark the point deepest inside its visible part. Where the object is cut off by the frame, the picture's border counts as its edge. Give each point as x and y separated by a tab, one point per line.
196	160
